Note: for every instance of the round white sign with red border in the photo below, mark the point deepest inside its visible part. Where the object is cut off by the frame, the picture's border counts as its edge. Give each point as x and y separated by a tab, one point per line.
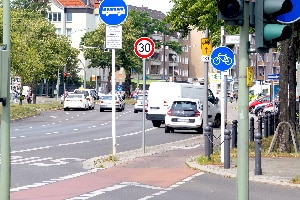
144	47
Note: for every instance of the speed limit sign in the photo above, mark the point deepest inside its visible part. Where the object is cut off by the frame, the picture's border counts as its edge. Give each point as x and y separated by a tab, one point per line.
144	47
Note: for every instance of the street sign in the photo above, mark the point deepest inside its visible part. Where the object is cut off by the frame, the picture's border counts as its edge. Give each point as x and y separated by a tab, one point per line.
249	80
293	15
206	47
144	47
222	58
273	76
205	58
113	37
113	12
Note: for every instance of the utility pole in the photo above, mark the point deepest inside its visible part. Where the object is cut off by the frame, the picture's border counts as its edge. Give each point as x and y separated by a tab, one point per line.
5	170
243	116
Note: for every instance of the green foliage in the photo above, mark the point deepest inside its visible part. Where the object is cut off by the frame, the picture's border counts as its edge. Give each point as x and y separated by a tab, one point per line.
187	15
37	52
31	5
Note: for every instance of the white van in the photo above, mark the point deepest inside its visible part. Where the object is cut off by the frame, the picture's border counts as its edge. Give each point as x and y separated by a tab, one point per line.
162	94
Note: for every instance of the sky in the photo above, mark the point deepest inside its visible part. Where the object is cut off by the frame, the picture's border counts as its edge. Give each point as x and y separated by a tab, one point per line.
160	5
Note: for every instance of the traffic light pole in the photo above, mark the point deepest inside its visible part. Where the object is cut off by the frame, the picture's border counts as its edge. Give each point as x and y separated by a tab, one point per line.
243	116
5	170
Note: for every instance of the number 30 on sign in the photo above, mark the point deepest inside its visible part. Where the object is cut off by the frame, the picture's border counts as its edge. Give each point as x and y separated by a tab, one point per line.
144	47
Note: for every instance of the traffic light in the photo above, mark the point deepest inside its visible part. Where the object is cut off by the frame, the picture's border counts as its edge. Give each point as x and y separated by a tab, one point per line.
65	76
267	30
231	11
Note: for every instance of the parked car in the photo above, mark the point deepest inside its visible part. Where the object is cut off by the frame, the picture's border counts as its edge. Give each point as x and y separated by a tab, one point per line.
89	94
138	105
258	109
184	114
76	101
252	104
270	109
106	103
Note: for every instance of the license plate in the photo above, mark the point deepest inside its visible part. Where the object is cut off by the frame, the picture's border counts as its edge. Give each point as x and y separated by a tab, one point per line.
183	120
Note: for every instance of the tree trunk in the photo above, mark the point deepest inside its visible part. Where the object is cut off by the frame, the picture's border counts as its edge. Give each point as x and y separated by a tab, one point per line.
287	91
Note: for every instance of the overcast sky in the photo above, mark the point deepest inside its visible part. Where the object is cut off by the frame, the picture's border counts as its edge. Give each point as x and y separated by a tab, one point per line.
160	5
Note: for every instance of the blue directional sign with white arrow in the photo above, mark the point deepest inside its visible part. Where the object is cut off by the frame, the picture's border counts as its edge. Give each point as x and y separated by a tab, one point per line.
222	58
113	12
291	16
273	76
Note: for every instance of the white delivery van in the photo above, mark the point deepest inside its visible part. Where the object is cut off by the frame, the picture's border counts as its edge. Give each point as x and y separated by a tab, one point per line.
162	94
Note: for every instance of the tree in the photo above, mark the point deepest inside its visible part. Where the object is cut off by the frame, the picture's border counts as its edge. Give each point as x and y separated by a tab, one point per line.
33	5
187	15
287	82
37	52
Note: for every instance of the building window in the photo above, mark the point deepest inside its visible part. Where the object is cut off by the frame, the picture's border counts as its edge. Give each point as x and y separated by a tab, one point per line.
69	17
58	31
54	16
68	32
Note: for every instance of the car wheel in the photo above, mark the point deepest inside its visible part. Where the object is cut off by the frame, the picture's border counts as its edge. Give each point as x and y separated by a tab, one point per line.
200	130
65	109
135	111
167	129
101	109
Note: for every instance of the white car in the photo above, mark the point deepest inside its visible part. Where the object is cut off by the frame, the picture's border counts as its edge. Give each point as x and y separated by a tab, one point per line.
88	93
76	101
184	114
138	105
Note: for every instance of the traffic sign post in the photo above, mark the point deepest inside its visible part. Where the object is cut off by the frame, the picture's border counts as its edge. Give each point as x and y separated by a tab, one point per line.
222	58
113	12
144	47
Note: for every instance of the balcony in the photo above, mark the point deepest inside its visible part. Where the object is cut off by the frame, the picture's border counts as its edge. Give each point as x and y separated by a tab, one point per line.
155	62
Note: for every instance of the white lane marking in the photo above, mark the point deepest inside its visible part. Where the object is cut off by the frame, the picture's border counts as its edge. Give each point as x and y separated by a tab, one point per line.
26	187
135	184
112	188
57	162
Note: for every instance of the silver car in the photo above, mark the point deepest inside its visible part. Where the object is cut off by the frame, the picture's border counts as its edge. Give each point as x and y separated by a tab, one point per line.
106	103
138	105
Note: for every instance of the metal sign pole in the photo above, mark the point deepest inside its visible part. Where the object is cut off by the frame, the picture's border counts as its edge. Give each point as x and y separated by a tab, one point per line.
113	92
144	90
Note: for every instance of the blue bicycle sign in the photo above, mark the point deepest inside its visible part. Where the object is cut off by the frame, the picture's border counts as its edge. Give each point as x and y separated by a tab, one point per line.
222	58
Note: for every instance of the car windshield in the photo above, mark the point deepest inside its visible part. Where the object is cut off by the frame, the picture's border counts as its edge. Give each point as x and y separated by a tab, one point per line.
140	97
86	93
75	96
184	105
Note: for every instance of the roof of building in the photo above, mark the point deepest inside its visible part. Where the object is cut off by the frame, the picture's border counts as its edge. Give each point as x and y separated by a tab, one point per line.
76	3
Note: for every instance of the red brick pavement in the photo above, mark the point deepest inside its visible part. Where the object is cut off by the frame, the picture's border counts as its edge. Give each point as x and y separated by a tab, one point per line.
159	170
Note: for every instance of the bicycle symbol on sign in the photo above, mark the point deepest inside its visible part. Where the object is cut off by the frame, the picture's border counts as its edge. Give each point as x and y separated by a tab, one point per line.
222	58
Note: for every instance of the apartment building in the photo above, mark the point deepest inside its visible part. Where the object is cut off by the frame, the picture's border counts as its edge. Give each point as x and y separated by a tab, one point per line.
74	18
